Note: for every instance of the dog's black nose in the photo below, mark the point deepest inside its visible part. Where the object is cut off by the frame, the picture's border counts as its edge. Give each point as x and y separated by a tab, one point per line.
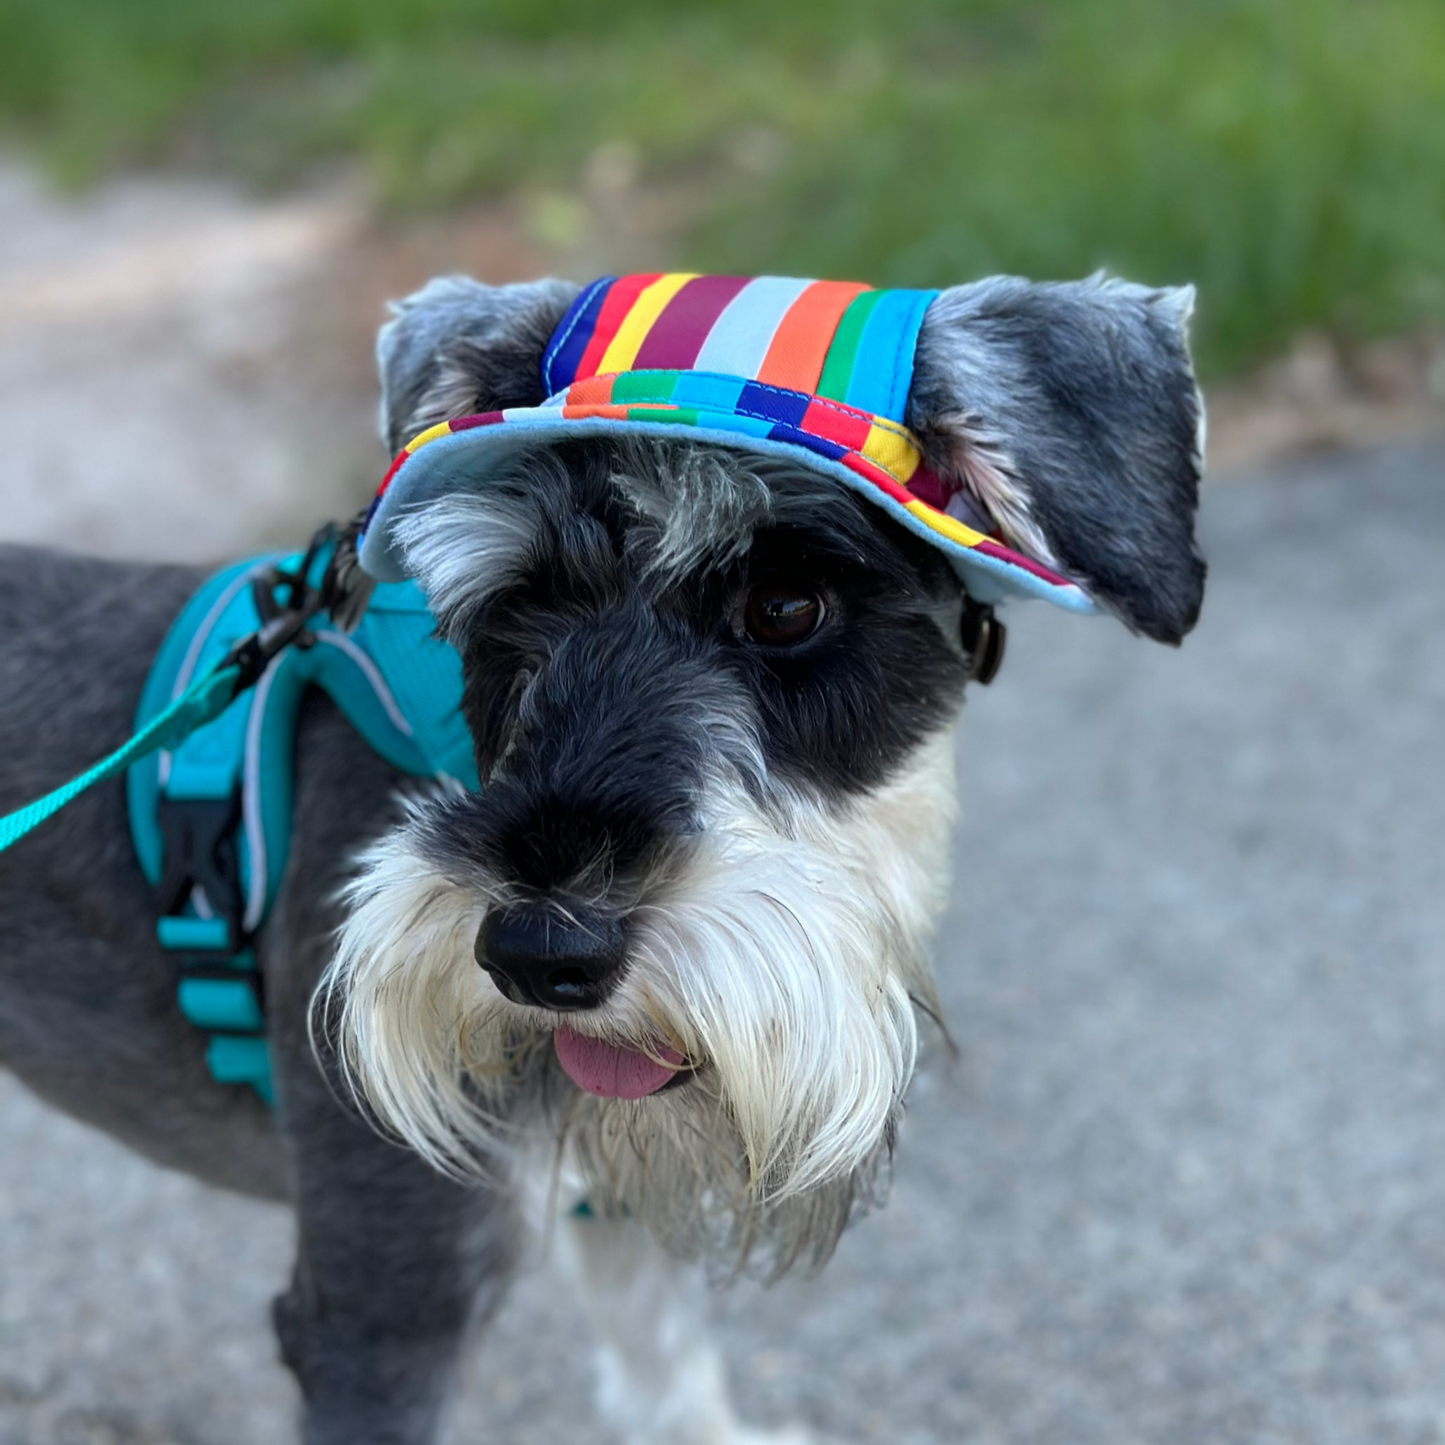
540	955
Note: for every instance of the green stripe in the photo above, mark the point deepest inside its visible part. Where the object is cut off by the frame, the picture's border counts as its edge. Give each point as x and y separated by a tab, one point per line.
843	352
643	386
679	416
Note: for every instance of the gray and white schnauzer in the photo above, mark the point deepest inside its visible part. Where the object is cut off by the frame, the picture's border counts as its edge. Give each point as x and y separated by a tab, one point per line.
671	957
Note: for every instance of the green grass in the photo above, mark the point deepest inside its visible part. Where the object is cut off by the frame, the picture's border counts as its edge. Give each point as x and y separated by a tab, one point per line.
1289	157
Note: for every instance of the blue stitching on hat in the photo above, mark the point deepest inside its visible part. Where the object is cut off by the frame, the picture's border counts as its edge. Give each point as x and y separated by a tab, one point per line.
580	305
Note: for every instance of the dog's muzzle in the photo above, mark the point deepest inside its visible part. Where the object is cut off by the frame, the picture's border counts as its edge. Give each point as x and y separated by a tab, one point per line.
538	954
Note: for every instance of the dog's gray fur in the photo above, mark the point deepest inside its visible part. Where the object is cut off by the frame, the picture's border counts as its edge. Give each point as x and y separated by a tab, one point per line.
1069	414
457	347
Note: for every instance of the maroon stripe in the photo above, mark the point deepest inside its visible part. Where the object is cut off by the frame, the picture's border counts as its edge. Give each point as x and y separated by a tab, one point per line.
1005	554
677	335
929	488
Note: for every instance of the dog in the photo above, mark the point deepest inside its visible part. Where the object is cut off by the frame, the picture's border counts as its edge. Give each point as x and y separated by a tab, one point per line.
671	957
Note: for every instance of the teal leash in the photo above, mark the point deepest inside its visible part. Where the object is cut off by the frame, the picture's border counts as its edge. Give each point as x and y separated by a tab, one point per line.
202	702
206	698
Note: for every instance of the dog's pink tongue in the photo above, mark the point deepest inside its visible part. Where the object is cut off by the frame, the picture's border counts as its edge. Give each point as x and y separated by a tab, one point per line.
610	1072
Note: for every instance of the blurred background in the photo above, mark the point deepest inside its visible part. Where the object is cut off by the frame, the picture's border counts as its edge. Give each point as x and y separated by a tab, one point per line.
206	205
1184	1185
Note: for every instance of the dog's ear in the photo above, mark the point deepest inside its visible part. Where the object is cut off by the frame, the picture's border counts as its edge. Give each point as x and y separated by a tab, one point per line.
457	347
1070	414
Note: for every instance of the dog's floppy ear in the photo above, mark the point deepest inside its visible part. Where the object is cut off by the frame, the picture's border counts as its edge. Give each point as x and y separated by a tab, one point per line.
1069	413
457	347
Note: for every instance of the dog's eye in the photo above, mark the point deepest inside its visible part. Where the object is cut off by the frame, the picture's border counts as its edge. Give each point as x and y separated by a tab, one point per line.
780	613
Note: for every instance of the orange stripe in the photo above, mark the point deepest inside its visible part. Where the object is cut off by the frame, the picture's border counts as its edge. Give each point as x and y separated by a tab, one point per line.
589	409
590	390
800	344
622	411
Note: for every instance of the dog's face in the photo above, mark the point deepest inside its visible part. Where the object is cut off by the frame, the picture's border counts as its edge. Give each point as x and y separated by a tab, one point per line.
690	904
684	921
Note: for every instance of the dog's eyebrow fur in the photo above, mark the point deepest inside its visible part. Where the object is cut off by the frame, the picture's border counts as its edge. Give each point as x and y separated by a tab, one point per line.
466	547
695	503
657	510
682	506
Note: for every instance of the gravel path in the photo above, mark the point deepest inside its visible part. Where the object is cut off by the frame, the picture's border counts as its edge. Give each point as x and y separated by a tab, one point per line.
1185	1185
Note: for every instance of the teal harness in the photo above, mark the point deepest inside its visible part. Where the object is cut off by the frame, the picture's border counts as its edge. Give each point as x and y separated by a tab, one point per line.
211	817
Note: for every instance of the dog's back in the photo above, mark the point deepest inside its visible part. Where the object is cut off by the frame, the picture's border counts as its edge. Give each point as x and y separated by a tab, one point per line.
87	999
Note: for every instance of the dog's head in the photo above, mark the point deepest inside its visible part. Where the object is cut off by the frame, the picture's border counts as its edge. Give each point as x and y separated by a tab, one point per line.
685	918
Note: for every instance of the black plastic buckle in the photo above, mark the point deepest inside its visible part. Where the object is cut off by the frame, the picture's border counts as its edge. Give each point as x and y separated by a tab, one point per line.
253	654
984	640
200	852
283	624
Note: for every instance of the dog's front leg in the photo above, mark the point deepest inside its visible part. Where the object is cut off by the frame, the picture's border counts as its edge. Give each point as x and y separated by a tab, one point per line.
661	1380
393	1264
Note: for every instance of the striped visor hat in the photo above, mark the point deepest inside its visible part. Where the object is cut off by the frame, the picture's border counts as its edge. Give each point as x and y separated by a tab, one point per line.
814	371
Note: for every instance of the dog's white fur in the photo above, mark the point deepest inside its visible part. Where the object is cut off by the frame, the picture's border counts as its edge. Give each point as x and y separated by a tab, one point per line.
660	1379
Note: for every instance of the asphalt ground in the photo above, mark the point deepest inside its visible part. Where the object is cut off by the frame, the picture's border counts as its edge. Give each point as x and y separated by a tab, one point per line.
1184	1185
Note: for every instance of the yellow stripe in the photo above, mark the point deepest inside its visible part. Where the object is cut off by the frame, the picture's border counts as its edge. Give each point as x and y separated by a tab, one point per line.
945	525
623	348
442	428
893	450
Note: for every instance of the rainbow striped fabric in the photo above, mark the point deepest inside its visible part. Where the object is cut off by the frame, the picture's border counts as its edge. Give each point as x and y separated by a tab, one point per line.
818	371
831	339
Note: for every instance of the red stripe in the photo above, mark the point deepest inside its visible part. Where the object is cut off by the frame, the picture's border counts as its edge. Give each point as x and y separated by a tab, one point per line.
620	300
677	335
460	423
830	419
391	471
928	487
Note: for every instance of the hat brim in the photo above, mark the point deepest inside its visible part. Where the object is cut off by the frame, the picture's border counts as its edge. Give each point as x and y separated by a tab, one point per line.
457	456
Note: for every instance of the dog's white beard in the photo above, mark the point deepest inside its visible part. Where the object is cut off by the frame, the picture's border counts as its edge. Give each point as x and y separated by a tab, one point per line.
786	953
